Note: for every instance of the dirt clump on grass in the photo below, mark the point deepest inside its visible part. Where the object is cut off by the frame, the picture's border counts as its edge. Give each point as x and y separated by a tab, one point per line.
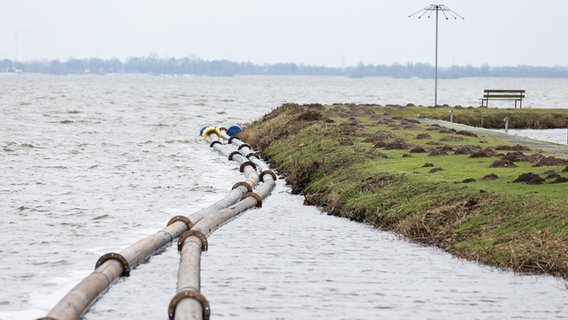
485	153
438	152
516	156
517	147
467	133
452	138
380	135
310	115
423	136
551	174
490	177
529	178
398	144
551	161
418	149
467	149
503	164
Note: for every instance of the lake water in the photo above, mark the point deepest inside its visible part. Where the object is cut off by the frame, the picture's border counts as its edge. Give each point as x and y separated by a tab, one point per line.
90	164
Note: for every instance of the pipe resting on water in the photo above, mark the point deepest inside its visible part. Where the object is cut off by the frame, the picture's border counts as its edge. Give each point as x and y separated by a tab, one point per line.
112	265
188	302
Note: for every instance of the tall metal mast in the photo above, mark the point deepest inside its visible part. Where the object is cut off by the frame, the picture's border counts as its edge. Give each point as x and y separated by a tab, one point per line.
447	13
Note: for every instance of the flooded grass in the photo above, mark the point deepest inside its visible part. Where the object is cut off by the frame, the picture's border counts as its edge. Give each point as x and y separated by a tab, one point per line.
464	193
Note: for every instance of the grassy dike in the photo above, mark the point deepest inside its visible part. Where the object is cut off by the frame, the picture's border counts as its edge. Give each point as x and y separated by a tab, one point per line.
476	197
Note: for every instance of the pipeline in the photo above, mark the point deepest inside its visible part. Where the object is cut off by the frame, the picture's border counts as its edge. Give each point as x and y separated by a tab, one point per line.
112	265
188	302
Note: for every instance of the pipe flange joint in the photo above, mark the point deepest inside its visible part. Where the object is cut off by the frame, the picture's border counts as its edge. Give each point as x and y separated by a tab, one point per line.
255	196
246	163
189	294
231	139
270	172
252	154
214	143
244	145
193	233
118	257
242	184
233	154
182	219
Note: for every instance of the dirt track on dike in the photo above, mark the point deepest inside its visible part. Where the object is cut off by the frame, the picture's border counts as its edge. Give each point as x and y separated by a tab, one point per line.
559	150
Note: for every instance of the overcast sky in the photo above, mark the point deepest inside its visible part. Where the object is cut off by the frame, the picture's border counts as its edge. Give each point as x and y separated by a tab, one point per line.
315	32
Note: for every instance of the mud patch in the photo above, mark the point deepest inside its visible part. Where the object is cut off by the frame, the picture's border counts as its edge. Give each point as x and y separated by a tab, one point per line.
380	135
560	180
516	156
485	153
452	138
438	152
310	115
529	178
398	144
551	161
467	149
503	164
490	177
517	147
423	136
418	149
467	133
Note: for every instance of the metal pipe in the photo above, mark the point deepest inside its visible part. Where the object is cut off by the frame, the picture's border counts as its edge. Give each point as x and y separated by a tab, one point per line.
195	306
80	297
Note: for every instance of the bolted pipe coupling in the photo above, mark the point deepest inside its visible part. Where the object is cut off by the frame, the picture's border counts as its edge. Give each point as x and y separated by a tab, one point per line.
189	294
118	257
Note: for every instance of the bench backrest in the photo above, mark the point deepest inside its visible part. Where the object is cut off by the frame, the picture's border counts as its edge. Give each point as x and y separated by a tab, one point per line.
503	94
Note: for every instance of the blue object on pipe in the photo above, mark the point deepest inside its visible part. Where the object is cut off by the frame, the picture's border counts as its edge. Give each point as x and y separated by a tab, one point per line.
234	130
203	129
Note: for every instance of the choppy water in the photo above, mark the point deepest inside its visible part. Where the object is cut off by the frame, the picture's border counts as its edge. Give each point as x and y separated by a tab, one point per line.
90	164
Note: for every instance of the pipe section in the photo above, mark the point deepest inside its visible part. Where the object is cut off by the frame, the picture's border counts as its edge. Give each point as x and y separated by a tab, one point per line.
189	279
188	303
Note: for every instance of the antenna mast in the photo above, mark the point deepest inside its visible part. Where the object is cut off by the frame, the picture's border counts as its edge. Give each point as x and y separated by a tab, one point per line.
447	13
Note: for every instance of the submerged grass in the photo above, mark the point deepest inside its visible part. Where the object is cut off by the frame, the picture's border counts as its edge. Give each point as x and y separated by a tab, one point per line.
429	184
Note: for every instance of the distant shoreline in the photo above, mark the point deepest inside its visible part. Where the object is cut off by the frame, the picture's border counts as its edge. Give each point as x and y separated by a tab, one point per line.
196	66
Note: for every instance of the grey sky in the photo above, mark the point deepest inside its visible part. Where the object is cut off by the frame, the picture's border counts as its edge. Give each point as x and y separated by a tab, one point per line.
317	32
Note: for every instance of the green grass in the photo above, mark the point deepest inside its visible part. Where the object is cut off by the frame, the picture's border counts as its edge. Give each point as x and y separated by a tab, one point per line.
326	154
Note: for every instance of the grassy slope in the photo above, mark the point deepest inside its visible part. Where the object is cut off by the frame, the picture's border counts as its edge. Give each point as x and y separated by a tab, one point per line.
354	161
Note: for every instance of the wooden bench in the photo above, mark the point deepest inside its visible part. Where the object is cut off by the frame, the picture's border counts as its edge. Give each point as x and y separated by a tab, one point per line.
493	94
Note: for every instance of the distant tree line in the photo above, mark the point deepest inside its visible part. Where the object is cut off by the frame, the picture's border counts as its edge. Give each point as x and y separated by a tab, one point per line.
196	66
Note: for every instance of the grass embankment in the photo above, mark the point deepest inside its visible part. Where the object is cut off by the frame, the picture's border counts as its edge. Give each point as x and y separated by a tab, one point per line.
478	198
